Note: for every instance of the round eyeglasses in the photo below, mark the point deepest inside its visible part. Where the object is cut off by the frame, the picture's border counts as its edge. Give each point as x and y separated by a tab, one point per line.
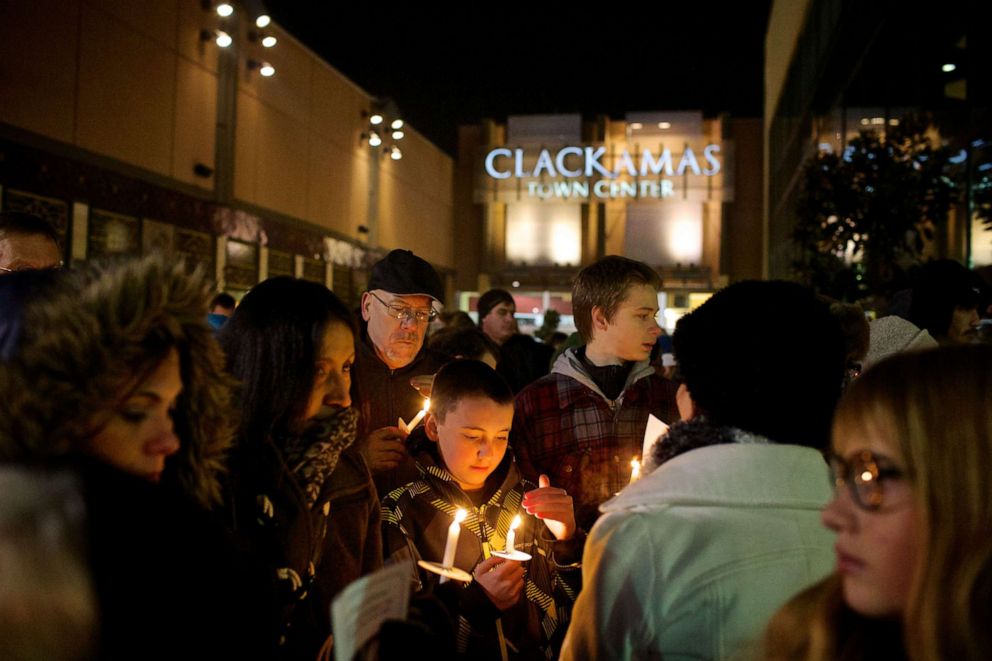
864	477
406	313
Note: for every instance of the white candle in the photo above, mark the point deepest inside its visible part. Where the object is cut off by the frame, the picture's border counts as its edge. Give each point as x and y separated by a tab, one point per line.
454	530
635	470
511	536
420	415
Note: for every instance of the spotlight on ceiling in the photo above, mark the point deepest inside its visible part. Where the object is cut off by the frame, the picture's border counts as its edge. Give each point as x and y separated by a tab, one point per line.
225	9
263	21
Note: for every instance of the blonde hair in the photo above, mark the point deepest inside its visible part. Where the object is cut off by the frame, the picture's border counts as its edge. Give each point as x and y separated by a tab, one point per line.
935	406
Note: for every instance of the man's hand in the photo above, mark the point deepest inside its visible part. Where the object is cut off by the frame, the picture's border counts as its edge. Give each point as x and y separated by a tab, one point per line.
553	506
501	580
383	449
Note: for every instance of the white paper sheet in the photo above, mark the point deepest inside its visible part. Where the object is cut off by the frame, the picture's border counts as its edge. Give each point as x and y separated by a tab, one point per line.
361	608
652	434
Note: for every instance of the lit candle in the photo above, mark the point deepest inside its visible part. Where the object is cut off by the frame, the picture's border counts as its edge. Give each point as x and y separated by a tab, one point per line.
454	530
420	415
635	470
511	536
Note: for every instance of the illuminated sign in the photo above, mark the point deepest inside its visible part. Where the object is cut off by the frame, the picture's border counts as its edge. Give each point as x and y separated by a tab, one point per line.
590	163
583	173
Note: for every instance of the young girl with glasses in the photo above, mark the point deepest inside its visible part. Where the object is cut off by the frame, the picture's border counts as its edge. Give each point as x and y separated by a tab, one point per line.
912	509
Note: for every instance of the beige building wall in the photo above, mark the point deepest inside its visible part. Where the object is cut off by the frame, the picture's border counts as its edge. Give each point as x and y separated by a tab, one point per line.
127	80
135	82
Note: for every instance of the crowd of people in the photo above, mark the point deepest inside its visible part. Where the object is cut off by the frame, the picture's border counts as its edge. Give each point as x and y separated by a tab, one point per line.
186	476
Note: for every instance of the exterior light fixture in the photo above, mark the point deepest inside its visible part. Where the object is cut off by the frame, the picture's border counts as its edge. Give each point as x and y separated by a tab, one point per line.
397	124
948	68
893	122
397	135
375	119
878	121
223	39
636	126
263	21
269	41
374	140
864	121
395	154
264	68
664	125
224	10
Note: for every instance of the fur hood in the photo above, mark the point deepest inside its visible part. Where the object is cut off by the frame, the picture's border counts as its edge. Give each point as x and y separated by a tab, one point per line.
79	348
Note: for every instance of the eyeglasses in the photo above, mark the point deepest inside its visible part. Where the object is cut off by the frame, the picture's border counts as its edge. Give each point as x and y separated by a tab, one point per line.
406	313
865	478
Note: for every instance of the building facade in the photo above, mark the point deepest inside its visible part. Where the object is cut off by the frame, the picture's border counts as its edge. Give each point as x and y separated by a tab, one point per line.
138	127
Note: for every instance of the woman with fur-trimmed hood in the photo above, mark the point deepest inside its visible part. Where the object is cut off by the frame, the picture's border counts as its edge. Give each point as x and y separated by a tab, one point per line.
112	373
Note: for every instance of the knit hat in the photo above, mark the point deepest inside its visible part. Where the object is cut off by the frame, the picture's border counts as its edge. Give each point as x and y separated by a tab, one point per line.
404	274
491	299
891	335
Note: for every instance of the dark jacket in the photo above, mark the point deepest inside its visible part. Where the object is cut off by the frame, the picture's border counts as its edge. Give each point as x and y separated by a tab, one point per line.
310	551
168	580
415	523
382	395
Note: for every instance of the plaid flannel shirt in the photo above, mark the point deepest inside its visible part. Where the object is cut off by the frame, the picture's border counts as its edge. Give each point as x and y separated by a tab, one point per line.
564	427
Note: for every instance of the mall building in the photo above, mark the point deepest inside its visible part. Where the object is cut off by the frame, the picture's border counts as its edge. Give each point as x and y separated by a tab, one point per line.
204	130
540	196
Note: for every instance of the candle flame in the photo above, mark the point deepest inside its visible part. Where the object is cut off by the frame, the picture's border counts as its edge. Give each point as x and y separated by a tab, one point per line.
635	464
460	515
515	523
427	403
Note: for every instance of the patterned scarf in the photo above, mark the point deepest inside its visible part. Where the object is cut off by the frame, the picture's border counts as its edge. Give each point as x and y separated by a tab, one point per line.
313	454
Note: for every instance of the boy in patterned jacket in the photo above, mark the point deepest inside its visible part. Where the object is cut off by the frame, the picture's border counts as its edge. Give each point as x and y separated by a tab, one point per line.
510	609
584	423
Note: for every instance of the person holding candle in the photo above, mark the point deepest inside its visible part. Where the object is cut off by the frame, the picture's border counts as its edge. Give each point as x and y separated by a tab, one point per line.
584	422
694	558
910	464
509	608
396	311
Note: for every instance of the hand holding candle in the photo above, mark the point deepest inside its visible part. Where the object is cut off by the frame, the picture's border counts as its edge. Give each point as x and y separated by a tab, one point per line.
553	506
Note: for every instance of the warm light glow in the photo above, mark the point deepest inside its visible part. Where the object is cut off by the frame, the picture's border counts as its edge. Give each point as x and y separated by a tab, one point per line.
397	124
866	476
395	154
636	126
515	523
686	240
877	120
664	125
375	119
263	21
893	122
864	121
269	41
397	135
516	283
948	68
224	9
539	233
223	39
427	403
267	70
460	515
375	140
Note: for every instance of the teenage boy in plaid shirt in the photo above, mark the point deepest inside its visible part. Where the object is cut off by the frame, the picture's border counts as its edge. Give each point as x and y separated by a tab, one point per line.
583	423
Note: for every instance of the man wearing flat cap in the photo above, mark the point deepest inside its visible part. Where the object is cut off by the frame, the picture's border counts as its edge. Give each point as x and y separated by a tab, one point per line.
396	310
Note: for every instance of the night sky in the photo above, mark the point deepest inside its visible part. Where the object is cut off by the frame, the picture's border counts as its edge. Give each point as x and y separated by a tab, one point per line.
447	67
